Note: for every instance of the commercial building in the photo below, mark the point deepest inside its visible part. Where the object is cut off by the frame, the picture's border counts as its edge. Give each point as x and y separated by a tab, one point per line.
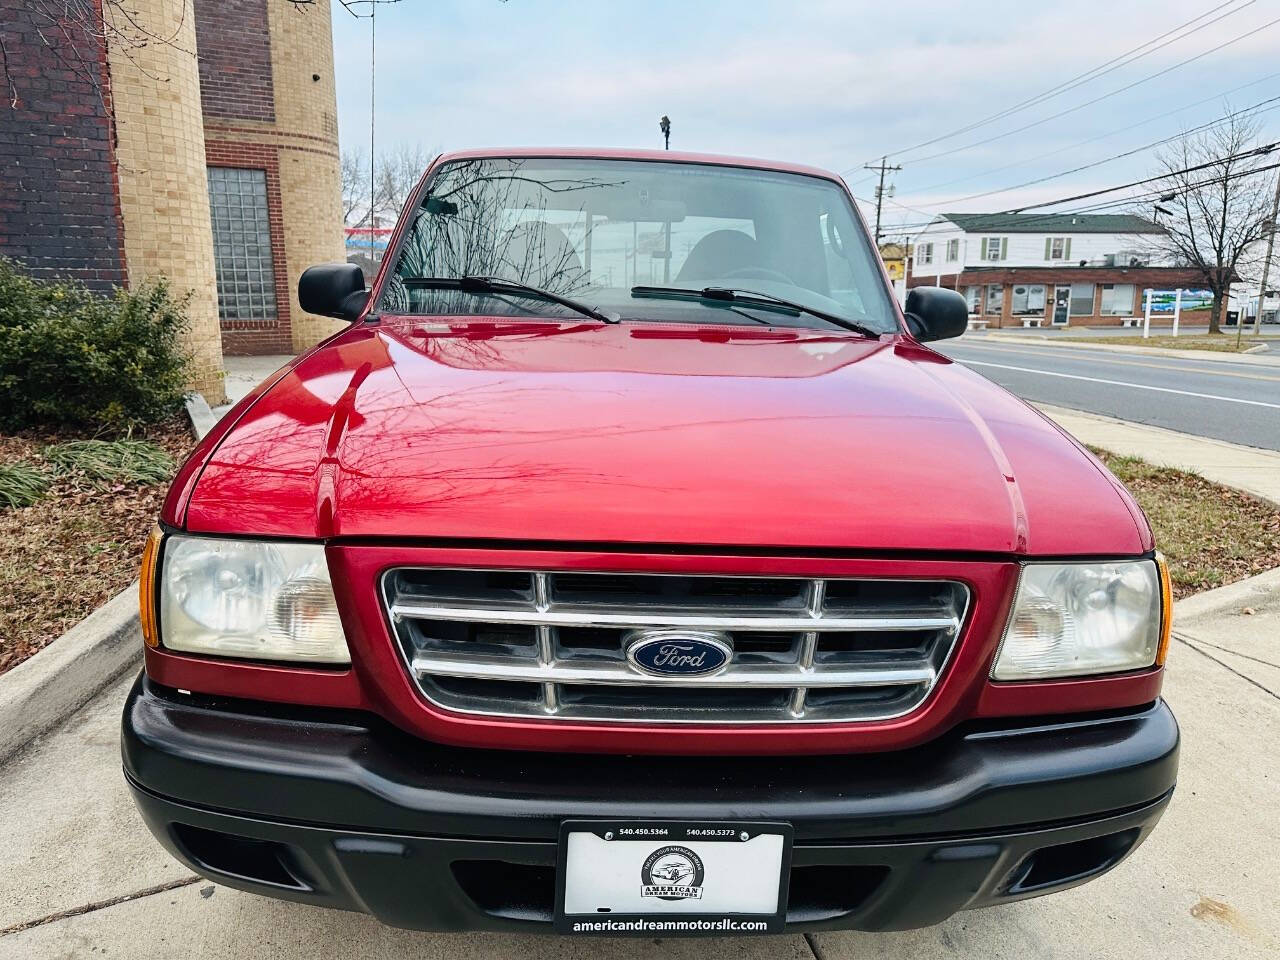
192	141
1051	269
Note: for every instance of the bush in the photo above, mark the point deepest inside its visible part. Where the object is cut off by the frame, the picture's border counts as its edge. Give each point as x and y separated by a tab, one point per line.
112	461
21	484
72	357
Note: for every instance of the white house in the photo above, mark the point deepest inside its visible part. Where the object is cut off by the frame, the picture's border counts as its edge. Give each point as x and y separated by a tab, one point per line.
1024	269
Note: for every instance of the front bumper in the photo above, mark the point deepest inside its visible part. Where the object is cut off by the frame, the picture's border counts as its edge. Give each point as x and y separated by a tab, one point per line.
343	810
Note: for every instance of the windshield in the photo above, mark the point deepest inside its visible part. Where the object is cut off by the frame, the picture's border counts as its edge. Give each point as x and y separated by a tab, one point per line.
594	230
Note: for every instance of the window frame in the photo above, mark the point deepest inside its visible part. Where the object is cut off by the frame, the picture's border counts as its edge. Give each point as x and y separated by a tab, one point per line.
993	248
1072	299
1129	310
953	250
996	301
927	250
245	281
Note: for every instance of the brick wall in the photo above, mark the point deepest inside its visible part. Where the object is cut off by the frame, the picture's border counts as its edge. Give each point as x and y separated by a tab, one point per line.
234	41
59	209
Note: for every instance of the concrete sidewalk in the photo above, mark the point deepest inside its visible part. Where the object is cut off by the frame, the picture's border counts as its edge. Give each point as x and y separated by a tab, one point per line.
1266	358
1250	469
76	859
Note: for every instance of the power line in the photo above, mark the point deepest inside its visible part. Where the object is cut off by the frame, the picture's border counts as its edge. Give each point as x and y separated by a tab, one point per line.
1146	195
1102	136
1256	151
1119	156
1098	99
1082	78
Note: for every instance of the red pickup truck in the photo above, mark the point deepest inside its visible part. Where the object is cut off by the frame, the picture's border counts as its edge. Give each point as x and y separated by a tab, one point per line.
630	565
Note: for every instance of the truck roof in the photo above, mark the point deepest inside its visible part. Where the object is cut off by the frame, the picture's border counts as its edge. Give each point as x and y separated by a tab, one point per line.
669	156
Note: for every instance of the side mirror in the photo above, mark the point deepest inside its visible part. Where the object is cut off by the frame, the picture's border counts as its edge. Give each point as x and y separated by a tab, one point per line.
333	290
934	313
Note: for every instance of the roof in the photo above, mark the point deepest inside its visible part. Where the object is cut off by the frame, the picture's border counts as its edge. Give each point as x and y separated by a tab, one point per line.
668	156
1052	223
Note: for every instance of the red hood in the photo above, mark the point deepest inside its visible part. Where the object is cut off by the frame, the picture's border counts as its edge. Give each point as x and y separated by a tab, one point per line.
588	433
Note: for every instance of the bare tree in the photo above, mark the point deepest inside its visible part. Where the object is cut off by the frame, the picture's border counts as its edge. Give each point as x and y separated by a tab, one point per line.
396	173
1218	196
354	170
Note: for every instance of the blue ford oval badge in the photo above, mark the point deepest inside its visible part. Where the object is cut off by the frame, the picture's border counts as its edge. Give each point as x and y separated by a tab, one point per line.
684	653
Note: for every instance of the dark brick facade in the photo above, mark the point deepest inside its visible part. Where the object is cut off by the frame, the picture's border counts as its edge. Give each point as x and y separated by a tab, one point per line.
241	337
234	42
59	204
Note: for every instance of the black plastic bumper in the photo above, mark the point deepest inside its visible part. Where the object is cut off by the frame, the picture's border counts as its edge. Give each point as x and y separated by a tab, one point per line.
345	811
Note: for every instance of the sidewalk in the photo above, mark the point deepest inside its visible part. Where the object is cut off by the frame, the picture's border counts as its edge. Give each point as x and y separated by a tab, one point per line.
1249	469
1271	358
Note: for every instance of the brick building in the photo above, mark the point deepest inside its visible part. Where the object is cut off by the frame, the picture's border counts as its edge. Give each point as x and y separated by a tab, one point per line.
209	157
1049	269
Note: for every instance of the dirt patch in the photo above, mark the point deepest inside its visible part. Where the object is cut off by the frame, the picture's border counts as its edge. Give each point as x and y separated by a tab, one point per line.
1222	343
64	556
1212	535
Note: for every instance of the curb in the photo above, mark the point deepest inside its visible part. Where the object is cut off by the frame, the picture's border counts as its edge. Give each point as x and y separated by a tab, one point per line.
44	690
202	417
1232	598
1251	357
1252	470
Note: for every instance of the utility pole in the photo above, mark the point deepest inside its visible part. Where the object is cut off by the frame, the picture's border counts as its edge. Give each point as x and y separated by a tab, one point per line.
665	126
883	168
1266	266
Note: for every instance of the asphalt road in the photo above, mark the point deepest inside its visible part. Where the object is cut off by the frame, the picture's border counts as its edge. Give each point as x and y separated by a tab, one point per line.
1236	402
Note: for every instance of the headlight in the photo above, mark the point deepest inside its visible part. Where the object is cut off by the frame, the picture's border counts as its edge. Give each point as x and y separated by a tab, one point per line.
1073	619
240	598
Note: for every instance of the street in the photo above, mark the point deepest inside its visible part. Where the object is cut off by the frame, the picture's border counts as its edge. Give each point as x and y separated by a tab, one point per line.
1238	402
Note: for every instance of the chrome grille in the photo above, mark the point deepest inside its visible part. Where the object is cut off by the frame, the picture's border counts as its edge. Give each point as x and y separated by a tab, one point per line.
553	644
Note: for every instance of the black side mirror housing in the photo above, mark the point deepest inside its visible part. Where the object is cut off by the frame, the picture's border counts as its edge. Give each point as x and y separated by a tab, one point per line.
333	290
934	313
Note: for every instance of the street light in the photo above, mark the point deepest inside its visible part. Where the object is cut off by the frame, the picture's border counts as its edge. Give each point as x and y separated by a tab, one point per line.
665	126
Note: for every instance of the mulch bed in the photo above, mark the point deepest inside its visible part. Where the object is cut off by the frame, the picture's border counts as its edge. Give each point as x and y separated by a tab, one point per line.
65	556
1211	535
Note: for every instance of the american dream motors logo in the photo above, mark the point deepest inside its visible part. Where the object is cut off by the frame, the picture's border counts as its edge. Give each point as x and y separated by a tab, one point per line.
672	873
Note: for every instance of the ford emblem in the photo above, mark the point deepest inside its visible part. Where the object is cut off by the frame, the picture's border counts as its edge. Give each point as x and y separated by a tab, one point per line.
678	653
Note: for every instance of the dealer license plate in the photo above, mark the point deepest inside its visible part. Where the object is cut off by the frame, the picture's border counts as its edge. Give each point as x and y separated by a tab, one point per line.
673	878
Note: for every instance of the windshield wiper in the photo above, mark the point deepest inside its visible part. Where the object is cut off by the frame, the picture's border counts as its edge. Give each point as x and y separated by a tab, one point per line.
503	285
754	298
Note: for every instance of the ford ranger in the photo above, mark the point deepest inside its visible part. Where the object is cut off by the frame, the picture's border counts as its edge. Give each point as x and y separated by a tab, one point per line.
630	564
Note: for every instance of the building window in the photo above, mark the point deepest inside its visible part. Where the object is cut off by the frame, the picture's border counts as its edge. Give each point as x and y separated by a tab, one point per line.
1028	300
242	244
995	299
974	296
1082	300
953	251
1117	299
994	248
924	254
1057	248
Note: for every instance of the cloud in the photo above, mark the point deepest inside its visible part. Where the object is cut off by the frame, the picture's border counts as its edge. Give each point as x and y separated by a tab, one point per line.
830	83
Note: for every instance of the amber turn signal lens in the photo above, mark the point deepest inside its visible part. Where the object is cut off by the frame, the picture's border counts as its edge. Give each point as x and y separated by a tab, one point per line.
147	588
1166	609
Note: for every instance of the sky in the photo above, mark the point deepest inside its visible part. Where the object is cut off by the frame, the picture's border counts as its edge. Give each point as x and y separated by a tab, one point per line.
831	84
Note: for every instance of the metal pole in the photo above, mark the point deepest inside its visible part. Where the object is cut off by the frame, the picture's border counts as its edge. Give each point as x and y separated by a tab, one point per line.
1266	263
1146	320
1177	310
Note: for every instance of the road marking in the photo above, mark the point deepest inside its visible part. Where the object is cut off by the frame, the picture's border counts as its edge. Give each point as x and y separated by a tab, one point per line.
1168	368
1122	383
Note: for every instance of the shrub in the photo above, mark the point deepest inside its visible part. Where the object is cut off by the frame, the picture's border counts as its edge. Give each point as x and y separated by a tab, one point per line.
112	461
21	484
72	357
